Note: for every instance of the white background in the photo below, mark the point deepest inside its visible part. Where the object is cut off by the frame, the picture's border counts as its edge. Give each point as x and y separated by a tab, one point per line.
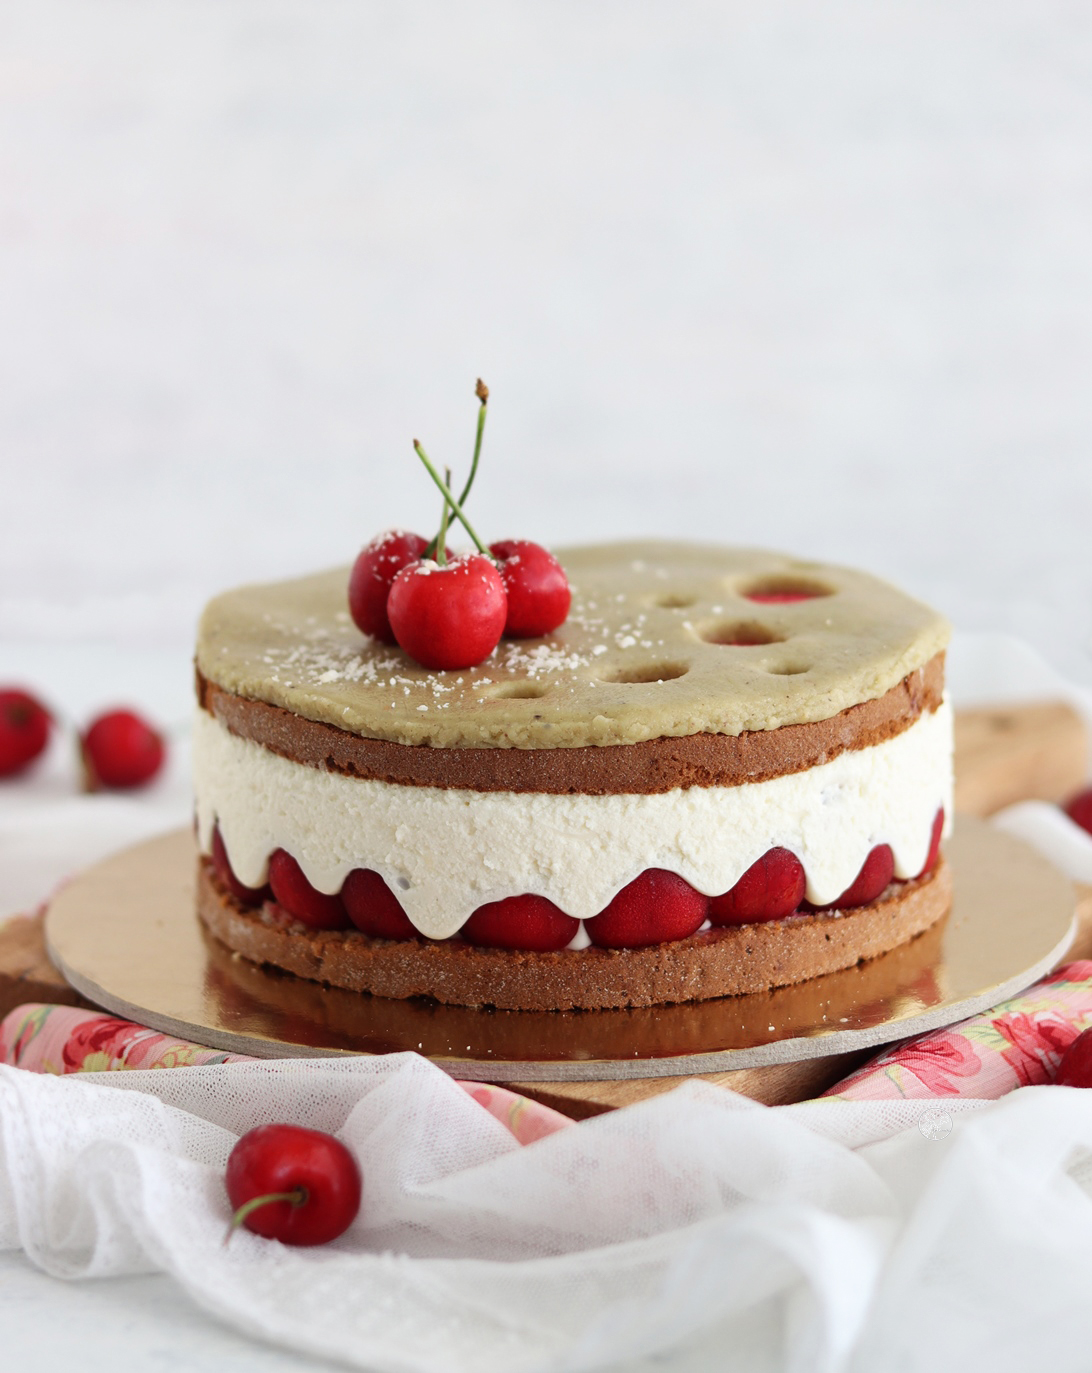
816	277
811	276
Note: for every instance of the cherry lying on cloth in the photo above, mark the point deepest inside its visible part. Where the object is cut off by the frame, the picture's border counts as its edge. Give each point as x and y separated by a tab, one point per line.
291	1184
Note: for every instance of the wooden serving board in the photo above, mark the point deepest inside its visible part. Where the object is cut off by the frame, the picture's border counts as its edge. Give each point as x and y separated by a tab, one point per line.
1002	756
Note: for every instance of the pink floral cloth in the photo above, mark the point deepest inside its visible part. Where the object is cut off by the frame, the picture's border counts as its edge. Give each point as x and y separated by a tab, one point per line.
66	1039
1016	1044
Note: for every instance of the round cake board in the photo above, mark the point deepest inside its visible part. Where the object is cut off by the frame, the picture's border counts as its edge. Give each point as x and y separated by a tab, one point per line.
124	933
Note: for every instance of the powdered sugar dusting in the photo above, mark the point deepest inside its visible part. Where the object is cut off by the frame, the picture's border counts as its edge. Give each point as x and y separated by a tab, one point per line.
598	679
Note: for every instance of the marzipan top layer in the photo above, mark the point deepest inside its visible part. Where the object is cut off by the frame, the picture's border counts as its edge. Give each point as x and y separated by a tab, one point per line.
663	642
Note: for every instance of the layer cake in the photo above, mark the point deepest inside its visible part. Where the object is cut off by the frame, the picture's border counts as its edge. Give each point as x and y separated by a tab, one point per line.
700	709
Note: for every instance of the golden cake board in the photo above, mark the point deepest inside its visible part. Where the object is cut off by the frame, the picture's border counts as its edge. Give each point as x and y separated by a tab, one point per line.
1003	755
124	934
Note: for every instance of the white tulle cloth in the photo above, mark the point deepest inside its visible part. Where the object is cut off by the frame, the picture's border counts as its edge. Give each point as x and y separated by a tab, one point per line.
830	1235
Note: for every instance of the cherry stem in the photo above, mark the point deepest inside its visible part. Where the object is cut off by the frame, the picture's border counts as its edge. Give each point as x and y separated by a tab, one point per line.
482	393
440	541
456	506
297	1198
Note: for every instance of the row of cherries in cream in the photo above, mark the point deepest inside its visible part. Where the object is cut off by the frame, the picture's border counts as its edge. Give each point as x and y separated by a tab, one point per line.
654	908
452	615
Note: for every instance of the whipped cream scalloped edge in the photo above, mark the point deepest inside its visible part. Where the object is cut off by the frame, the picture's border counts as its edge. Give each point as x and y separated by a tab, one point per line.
446	852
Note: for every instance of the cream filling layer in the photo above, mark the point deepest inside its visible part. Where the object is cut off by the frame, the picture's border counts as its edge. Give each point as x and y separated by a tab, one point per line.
446	852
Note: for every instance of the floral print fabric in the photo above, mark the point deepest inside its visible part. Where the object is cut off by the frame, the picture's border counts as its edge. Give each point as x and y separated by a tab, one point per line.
1018	1043
66	1039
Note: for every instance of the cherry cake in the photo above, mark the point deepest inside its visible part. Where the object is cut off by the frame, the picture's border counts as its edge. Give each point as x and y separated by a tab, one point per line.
726	771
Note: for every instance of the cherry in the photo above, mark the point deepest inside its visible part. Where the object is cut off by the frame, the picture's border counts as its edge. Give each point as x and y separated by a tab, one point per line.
1075	1069
373	907
934	843
249	896
300	899
376	566
291	1184
24	730
120	750
1079	809
875	876
521	922
538	590
769	890
449	616
656	907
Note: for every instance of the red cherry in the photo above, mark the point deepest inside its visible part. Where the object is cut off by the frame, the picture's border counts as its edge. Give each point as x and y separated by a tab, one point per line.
249	896
1075	1069
769	890
312	1183
538	590
875	876
293	891
521	922
451	616
373	907
1079	809
24	730
375	568
652	909
934	843
121	750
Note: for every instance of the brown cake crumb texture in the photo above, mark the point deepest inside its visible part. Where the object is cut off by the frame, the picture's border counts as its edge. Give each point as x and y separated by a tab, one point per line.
730	961
652	766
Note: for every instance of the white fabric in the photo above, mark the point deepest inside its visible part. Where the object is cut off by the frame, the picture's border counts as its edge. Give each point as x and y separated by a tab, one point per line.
818	1237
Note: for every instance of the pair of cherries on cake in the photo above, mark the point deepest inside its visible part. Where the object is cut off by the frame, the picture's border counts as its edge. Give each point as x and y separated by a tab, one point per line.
450	612
656	907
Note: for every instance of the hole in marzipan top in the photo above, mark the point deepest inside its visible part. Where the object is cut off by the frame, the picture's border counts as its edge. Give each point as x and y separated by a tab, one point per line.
676	600
789	670
649	672
740	635
784	590
515	691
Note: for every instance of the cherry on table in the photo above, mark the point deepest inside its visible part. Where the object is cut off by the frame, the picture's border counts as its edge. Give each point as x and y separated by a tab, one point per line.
300	899
770	889
373	907
121	750
656	907
526	922
376	567
24	730
1075	1069
538	589
1079	809
448	616
292	1184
